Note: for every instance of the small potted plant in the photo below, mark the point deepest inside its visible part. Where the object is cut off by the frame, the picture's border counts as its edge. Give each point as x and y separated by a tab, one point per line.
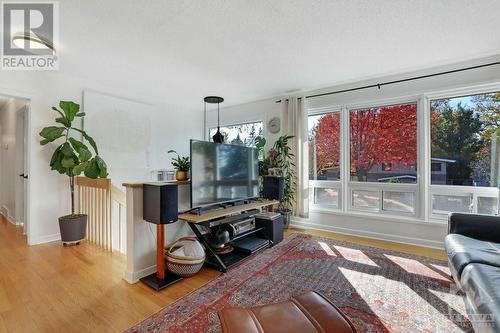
71	158
181	166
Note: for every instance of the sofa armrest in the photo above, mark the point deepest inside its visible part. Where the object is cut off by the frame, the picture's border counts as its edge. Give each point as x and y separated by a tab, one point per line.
482	227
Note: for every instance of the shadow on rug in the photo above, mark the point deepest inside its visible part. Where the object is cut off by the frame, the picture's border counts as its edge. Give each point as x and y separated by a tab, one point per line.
379	290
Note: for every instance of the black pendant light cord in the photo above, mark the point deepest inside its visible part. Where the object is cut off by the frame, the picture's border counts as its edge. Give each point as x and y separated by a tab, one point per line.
379	85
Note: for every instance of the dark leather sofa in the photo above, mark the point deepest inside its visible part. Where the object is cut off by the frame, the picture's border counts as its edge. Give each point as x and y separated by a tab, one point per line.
473	247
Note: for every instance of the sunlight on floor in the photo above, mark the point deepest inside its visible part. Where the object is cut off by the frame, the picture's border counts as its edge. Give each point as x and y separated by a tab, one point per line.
327	249
416	267
354	255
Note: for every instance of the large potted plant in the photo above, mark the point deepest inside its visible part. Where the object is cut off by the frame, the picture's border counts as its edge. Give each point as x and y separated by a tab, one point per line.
181	165
72	158
282	158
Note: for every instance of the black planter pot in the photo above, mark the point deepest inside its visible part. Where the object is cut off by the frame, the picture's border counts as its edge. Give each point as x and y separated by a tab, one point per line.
73	228
287	215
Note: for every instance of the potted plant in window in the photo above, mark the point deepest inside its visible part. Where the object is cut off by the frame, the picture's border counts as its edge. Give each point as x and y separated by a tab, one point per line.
71	158
283	160
181	165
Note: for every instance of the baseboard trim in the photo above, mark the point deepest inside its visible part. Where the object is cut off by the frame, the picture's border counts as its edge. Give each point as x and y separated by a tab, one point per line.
45	239
7	216
134	277
371	234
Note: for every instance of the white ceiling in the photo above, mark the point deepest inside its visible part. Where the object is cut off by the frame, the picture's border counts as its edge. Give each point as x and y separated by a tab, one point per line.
244	50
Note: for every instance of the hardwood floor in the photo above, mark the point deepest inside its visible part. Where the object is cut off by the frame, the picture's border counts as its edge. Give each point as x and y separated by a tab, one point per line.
51	288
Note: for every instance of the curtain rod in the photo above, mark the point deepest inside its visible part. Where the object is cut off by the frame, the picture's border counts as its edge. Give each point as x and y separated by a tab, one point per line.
379	85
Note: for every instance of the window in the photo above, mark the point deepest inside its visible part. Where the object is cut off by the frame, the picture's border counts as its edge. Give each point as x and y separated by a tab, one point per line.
324	146
242	134
464	134
369	158
324	160
365	200
383	144
326	197
398	201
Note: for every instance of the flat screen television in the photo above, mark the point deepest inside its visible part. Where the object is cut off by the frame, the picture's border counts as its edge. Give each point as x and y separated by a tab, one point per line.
222	173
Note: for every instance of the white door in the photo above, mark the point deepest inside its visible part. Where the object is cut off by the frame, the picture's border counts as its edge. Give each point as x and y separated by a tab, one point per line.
21	181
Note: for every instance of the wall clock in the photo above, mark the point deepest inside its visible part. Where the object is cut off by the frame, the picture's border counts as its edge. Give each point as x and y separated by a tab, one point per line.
274	125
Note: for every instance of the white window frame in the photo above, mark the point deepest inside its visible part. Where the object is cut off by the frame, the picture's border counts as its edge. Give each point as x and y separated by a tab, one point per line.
335	184
430	190
423	190
380	187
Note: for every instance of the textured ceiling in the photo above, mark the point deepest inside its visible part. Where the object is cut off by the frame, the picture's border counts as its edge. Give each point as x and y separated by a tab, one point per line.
180	51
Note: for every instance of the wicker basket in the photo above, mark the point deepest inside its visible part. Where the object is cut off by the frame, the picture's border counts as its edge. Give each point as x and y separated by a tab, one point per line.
184	266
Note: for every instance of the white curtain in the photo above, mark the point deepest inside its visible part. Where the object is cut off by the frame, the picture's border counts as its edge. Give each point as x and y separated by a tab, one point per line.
296	117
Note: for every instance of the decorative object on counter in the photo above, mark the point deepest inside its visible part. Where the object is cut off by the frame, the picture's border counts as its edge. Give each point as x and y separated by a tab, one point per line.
160	206
218	137
181	165
71	158
162	175
284	162
185	257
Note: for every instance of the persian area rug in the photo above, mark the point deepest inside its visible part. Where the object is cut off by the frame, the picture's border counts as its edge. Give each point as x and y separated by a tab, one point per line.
379	290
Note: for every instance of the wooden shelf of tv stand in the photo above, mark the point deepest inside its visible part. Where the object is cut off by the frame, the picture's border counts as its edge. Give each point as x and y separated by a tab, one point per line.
193	218
166	182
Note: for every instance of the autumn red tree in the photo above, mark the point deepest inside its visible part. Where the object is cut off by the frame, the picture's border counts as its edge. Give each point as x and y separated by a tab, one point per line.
377	135
324	144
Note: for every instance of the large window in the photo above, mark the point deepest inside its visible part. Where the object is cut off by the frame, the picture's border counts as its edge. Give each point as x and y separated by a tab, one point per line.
420	158
465	153
242	134
383	144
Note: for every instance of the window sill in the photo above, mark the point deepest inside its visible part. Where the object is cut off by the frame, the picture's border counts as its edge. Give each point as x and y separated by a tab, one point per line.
380	217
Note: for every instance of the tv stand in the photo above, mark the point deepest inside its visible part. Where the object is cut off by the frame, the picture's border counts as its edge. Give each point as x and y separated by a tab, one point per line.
229	214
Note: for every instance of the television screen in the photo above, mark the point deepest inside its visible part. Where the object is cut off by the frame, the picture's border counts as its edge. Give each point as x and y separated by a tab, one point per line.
222	173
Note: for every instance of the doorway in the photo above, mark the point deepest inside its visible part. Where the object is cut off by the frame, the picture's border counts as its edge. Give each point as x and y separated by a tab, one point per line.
14	117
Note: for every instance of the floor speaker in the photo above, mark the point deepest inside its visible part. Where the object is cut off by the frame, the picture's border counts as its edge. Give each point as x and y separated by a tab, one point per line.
273	187
272	224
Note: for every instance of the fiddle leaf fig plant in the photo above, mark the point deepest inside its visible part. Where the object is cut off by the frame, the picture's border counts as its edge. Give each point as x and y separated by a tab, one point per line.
72	157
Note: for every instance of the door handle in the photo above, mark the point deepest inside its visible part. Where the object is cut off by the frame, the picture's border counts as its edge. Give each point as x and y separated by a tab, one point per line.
24	176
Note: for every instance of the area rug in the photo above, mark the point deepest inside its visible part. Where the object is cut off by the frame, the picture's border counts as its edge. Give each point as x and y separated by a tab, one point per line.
379	290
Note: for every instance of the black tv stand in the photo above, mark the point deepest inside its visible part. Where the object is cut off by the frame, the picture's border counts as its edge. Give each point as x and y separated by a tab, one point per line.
223	262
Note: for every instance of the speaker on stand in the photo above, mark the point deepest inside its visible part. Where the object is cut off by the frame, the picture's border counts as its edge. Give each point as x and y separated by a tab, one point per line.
160	207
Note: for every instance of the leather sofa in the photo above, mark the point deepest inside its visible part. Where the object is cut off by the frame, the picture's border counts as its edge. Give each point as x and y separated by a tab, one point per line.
473	248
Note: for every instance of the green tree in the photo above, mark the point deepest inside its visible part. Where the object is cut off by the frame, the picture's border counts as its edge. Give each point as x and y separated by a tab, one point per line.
488	107
457	137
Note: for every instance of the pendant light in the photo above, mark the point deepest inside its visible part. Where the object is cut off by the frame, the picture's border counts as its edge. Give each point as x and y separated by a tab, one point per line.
218	137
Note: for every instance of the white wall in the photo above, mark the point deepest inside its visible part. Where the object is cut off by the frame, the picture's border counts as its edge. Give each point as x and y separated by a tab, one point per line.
9	168
48	191
395	229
